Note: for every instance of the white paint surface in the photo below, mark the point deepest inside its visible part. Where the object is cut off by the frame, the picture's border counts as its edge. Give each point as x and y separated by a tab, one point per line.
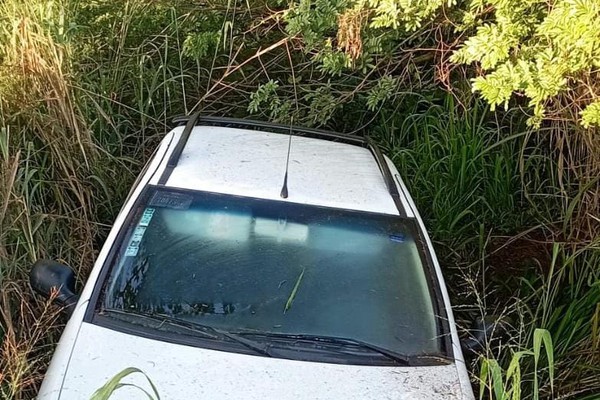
252	163
181	372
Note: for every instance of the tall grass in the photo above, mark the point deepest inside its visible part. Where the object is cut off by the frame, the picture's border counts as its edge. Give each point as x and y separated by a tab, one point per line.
454	169
566	303
70	145
47	201
506	385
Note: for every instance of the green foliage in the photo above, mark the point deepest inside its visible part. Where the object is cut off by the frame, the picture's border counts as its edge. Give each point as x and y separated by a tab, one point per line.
314	20
345	35
536	48
460	176
100	22
115	383
266	101
591	115
333	62
265	95
506	385
564	302
199	44
402	14
318	106
322	105
383	90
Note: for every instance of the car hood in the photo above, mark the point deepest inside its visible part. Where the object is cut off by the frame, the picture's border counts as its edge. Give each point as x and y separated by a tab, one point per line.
184	372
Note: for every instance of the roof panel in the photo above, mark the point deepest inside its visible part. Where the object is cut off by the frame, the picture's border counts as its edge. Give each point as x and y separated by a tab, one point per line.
252	163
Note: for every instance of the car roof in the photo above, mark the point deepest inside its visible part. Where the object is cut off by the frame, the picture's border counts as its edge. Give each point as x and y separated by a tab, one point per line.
252	163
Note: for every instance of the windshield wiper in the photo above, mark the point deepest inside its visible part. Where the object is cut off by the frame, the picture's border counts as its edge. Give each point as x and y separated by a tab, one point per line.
392	355
158	320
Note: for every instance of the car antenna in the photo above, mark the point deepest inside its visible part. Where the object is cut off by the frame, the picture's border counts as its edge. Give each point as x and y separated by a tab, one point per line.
284	189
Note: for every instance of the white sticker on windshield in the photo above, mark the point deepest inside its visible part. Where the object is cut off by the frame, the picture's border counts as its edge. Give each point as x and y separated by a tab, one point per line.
146	217
177	201
134	243
131	251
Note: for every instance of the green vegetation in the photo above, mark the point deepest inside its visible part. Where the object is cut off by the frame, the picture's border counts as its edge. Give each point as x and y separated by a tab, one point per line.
537	50
116	382
511	196
509	385
440	146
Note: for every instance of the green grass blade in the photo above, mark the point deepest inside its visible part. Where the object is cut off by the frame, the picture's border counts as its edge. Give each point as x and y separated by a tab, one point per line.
113	384
542	336
288	304
497	381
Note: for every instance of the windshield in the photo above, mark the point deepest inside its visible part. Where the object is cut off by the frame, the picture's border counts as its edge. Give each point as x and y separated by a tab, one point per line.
259	266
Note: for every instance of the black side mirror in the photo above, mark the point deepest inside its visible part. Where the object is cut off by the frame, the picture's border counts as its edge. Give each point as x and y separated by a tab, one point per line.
482	332
48	276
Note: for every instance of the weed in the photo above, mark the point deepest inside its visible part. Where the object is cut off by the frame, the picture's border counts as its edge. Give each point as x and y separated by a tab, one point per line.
115	383
457	175
506	385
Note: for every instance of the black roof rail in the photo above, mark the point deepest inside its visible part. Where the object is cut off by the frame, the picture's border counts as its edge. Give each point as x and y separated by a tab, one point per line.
176	154
275	128
196	119
388	178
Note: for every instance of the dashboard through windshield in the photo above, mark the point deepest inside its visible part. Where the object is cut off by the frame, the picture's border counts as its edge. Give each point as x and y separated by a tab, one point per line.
275	268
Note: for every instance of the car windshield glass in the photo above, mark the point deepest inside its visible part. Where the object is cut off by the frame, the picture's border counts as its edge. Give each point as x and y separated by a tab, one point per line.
240	264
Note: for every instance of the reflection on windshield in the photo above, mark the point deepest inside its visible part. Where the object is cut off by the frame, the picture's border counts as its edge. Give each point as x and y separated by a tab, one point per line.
264	266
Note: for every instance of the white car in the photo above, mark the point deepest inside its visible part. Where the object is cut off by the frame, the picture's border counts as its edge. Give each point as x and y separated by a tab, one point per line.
259	261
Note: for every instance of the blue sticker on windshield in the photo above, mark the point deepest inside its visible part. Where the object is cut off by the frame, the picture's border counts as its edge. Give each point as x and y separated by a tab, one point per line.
397	237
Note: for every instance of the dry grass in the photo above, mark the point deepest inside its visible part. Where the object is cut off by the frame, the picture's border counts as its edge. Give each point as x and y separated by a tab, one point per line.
37	103
577	161
26	340
46	203
349	34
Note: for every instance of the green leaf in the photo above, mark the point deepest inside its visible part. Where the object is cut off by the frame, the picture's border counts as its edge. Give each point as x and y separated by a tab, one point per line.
288	304
113	384
542	336
590	116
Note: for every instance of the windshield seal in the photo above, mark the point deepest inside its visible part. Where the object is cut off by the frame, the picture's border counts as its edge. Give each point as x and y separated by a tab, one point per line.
94	309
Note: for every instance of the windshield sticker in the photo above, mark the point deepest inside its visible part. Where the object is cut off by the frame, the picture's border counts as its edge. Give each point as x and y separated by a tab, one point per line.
134	243
146	217
178	201
397	237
